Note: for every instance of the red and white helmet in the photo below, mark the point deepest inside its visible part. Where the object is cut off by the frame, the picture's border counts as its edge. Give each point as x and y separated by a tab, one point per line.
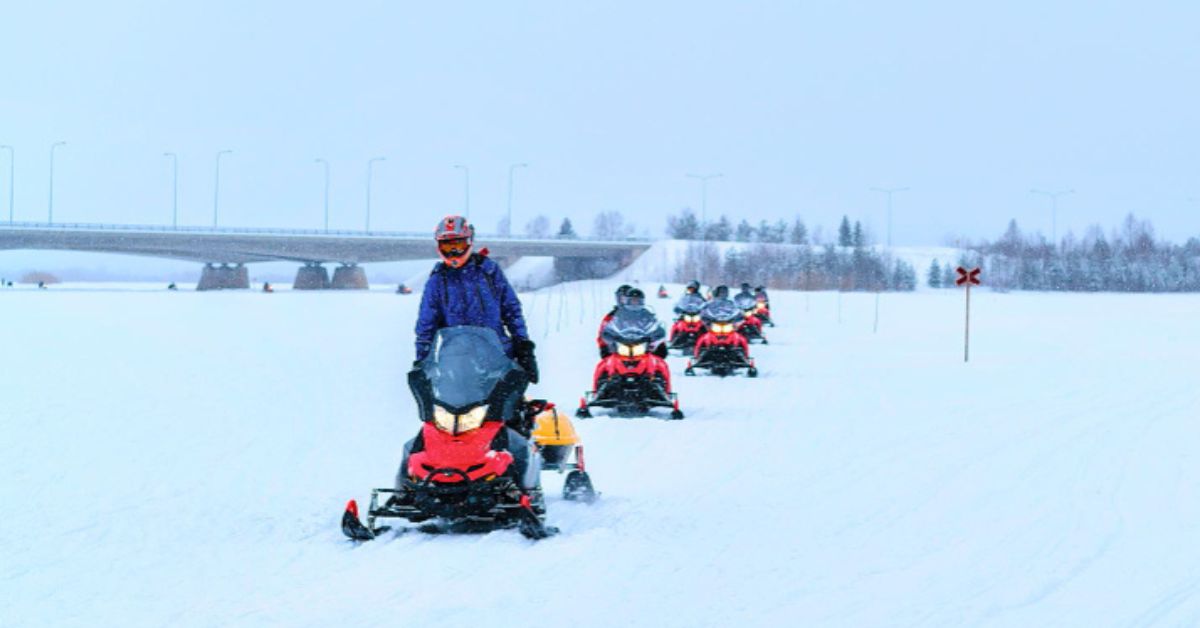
454	236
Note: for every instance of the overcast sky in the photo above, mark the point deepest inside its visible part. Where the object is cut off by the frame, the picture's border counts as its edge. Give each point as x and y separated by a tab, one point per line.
803	106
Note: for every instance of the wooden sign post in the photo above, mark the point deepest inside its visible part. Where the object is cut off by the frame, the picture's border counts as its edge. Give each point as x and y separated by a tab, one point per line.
967	278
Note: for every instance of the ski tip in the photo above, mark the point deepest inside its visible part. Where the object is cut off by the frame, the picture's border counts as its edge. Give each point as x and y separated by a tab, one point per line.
352	507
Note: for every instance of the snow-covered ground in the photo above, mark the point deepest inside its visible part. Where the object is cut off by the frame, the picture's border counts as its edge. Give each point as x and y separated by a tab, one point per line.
182	459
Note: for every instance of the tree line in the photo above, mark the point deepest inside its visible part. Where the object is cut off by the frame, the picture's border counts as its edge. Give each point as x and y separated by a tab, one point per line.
1128	259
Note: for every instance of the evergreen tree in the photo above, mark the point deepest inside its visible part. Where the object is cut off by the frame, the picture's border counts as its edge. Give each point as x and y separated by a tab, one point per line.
744	232
845	237
948	276
685	226
858	238
935	275
567	231
720	231
799	234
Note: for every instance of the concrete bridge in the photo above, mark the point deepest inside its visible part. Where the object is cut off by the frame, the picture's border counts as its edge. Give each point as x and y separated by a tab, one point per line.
226	251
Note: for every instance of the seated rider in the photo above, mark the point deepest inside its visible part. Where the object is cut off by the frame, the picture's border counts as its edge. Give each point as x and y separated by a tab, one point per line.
468	288
600	343
760	293
720	295
746	290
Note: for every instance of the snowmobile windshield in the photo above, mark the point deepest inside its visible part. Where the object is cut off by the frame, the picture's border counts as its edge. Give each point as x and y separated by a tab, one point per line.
745	301
690	304
633	325
721	310
465	365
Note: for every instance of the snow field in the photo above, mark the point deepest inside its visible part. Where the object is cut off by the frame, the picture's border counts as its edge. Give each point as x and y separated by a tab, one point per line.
183	458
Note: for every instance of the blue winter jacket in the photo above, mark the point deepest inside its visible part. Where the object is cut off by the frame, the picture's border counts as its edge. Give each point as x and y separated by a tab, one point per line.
476	294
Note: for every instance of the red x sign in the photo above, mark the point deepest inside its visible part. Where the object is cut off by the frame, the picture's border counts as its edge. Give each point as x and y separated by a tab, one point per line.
967	276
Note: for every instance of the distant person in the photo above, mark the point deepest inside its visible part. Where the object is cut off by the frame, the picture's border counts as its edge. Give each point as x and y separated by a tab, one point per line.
267	287
172	286
467	288
41	285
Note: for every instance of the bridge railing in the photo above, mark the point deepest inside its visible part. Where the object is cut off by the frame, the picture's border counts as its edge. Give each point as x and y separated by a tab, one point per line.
85	226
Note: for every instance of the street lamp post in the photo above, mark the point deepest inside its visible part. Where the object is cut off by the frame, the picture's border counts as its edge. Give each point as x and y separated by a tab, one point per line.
704	199
217	186
466	189
889	192
174	189
370	163
50	212
508	230
12	158
326	164
1053	210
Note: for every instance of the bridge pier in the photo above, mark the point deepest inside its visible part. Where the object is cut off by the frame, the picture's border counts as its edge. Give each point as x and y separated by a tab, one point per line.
224	277
349	277
311	277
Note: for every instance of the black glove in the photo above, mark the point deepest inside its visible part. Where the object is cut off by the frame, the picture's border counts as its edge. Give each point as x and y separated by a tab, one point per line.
605	351
661	350
523	350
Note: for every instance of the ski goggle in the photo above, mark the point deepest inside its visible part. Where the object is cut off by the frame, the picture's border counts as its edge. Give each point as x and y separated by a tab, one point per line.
722	328
631	350
456	424
454	248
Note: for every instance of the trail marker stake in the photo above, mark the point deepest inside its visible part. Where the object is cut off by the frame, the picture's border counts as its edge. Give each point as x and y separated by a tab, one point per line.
967	278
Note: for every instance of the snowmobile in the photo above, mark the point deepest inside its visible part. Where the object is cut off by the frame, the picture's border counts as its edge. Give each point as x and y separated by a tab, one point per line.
633	377
558	443
688	327
751	327
722	350
662	292
762	309
467	470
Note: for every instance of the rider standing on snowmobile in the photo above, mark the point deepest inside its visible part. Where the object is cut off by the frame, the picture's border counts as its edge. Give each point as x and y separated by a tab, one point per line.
620	294
746	290
468	288
693	287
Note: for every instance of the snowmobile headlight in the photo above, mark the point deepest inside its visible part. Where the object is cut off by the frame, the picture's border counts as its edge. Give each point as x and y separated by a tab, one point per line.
723	328
627	351
691	318
472	420
760	306
459	423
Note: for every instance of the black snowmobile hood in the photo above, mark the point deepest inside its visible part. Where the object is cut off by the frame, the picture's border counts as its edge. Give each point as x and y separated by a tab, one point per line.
467	366
631	325
721	311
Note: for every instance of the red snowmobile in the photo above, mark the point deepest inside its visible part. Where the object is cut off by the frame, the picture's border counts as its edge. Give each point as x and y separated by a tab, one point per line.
751	327
467	470
762	309
633	377
722	350
688	327
662	292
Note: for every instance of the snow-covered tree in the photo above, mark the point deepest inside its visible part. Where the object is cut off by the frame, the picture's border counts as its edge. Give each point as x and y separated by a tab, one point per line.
539	227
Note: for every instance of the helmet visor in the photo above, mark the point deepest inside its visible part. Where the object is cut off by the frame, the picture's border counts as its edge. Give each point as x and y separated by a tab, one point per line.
456	247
